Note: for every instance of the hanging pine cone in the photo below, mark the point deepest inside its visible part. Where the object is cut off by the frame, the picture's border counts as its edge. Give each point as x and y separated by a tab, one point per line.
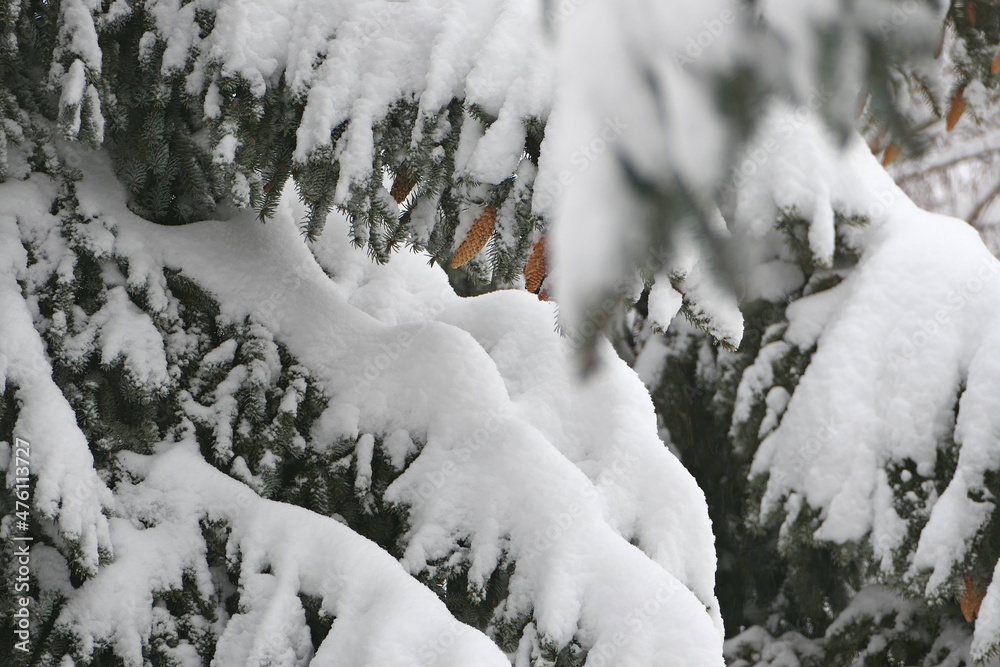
995	67
891	154
475	240
956	110
971	600
970	12
537	267
402	185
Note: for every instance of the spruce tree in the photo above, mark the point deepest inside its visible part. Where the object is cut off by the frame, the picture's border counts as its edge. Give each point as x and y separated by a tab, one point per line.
846	472
250	449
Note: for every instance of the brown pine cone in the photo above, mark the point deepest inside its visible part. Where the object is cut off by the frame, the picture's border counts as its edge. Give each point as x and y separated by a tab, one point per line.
537	267
476	239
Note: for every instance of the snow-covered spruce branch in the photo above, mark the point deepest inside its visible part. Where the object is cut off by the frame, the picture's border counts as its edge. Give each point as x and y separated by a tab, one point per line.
503	473
215	103
865	411
452	433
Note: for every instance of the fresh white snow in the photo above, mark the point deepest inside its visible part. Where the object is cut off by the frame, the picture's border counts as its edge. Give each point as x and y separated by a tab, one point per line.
909	334
610	534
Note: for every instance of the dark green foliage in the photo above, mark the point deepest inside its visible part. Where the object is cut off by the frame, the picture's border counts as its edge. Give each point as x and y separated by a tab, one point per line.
317	619
117	412
316	182
819	602
183	146
180	616
264	128
694	401
151	128
468	603
254	410
27	35
182	151
977	24
781	580
795	229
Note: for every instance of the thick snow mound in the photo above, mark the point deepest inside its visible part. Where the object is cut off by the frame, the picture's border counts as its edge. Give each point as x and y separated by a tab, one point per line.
516	459
68	489
560	477
904	371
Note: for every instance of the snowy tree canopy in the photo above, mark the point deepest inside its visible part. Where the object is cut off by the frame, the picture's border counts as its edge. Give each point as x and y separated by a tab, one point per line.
509	477
251	450
871	399
215	102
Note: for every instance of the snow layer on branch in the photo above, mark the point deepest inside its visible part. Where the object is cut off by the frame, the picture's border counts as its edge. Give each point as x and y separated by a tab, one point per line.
796	164
73	84
988	621
384	617
78	34
124	332
516	331
351	60
346	60
910	331
610	535
77	45
628	97
68	489
664	303
635	120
